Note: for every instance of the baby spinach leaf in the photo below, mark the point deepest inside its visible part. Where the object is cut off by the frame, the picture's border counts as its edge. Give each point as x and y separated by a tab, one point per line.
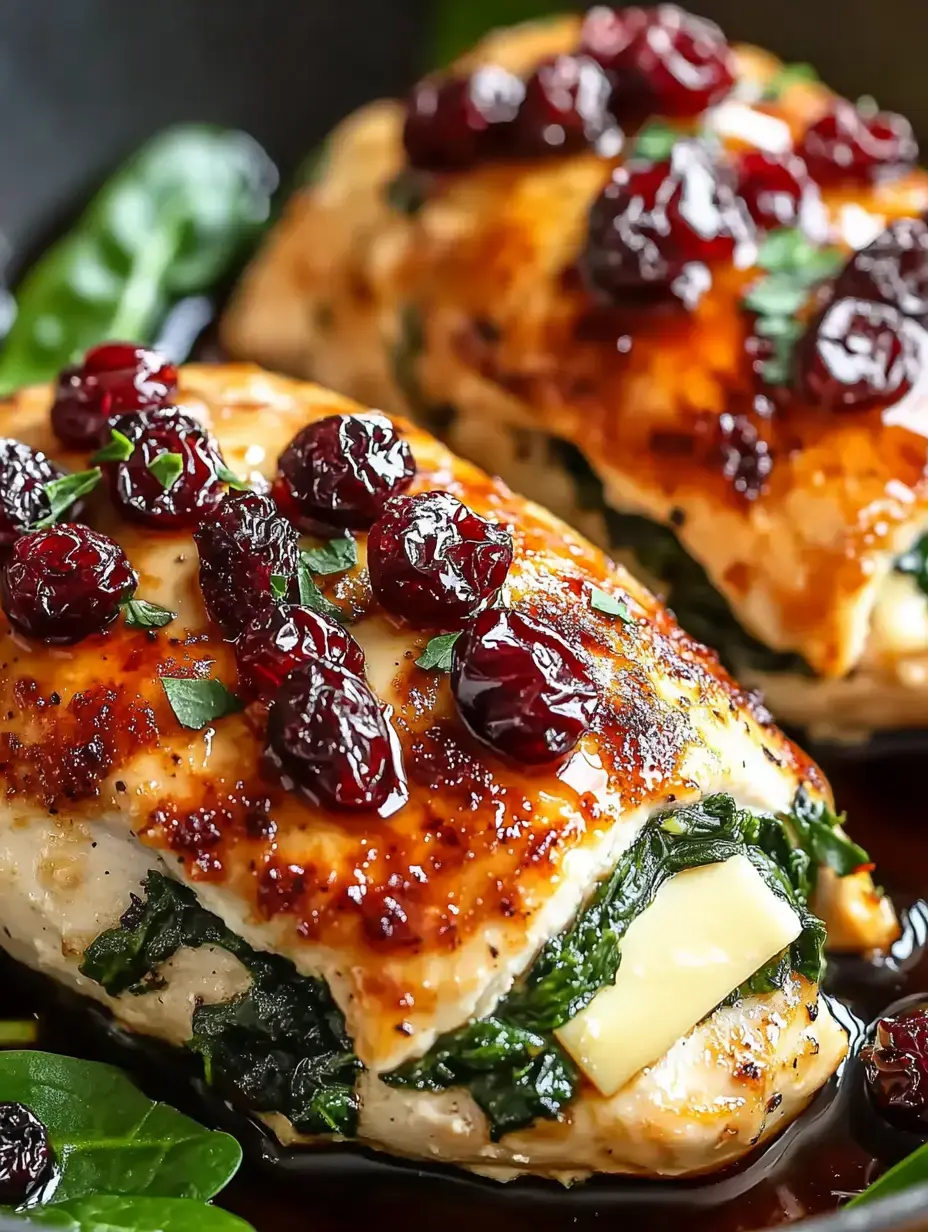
126	1213
816	828
438	653
109	1137
197	703
279	1047
170	223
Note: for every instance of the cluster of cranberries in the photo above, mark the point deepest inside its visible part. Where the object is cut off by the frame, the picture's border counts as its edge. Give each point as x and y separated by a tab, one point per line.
896	1068
114	378
26	1156
866	346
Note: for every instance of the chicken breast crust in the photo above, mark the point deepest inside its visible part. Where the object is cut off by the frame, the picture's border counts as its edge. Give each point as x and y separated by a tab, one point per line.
466	311
424	919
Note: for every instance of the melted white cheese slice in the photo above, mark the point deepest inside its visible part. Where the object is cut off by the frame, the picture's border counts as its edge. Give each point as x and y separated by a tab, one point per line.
706	931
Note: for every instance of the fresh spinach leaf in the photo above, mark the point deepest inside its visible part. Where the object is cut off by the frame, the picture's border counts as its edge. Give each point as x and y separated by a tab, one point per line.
110	1138
511	1063
913	1170
279	1047
816	828
128	1213
197	703
334	556
438	653
170	223
682	581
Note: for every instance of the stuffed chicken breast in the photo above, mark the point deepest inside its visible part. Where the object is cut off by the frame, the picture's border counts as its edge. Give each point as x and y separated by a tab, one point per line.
391	797
676	291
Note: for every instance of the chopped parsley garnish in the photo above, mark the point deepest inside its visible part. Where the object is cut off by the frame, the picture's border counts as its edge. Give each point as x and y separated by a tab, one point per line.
312	596
62	493
197	703
602	601
119	449
794	266
279	586
654	141
167	468
140	614
335	556
438	653
233	480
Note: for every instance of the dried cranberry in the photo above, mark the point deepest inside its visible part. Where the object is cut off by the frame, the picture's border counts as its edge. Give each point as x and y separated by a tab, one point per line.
23	475
65	583
328	741
662	59
341	471
746	458
896	1068
241	548
857	354
433	561
654	219
894	269
282	638
26	1157
114	378
137	485
520	688
454	122
776	189
566	107
848	143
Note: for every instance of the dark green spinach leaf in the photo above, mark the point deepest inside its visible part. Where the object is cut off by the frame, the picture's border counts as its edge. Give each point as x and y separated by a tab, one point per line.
279	1047
128	1213
170	223
914	562
109	1138
816	828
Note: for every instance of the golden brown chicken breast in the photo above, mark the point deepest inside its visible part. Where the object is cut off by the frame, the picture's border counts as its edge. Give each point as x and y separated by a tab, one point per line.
390	796
676	291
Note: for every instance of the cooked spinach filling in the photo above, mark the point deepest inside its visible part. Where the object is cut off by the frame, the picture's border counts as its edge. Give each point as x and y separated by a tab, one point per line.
281	1046
512	1064
697	605
914	562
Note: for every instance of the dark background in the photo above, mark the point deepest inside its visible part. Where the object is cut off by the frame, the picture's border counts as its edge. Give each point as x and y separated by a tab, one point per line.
82	82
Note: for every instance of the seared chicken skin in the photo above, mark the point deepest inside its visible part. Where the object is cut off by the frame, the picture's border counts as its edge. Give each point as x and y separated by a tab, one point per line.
494	300
424	916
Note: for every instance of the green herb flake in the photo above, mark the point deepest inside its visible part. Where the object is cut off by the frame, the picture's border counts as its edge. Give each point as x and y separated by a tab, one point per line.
198	703
279	587
130	1213
312	596
140	614
654	141
62	493
233	480
119	449
167	468
437	655
602	601
335	556
910	1171
786	77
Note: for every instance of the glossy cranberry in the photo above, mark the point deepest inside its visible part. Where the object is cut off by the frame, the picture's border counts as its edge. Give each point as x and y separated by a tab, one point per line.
896	1069
328	741
433	561
663	60
847	143
746	458
23	475
566	107
26	1157
776	189
282	638
341	471
63	584
138	491
654	219
454	122
242	546
520	688
858	354
114	378
893	269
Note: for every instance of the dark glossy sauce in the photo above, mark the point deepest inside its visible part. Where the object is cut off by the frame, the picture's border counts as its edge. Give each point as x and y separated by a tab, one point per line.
833	1151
